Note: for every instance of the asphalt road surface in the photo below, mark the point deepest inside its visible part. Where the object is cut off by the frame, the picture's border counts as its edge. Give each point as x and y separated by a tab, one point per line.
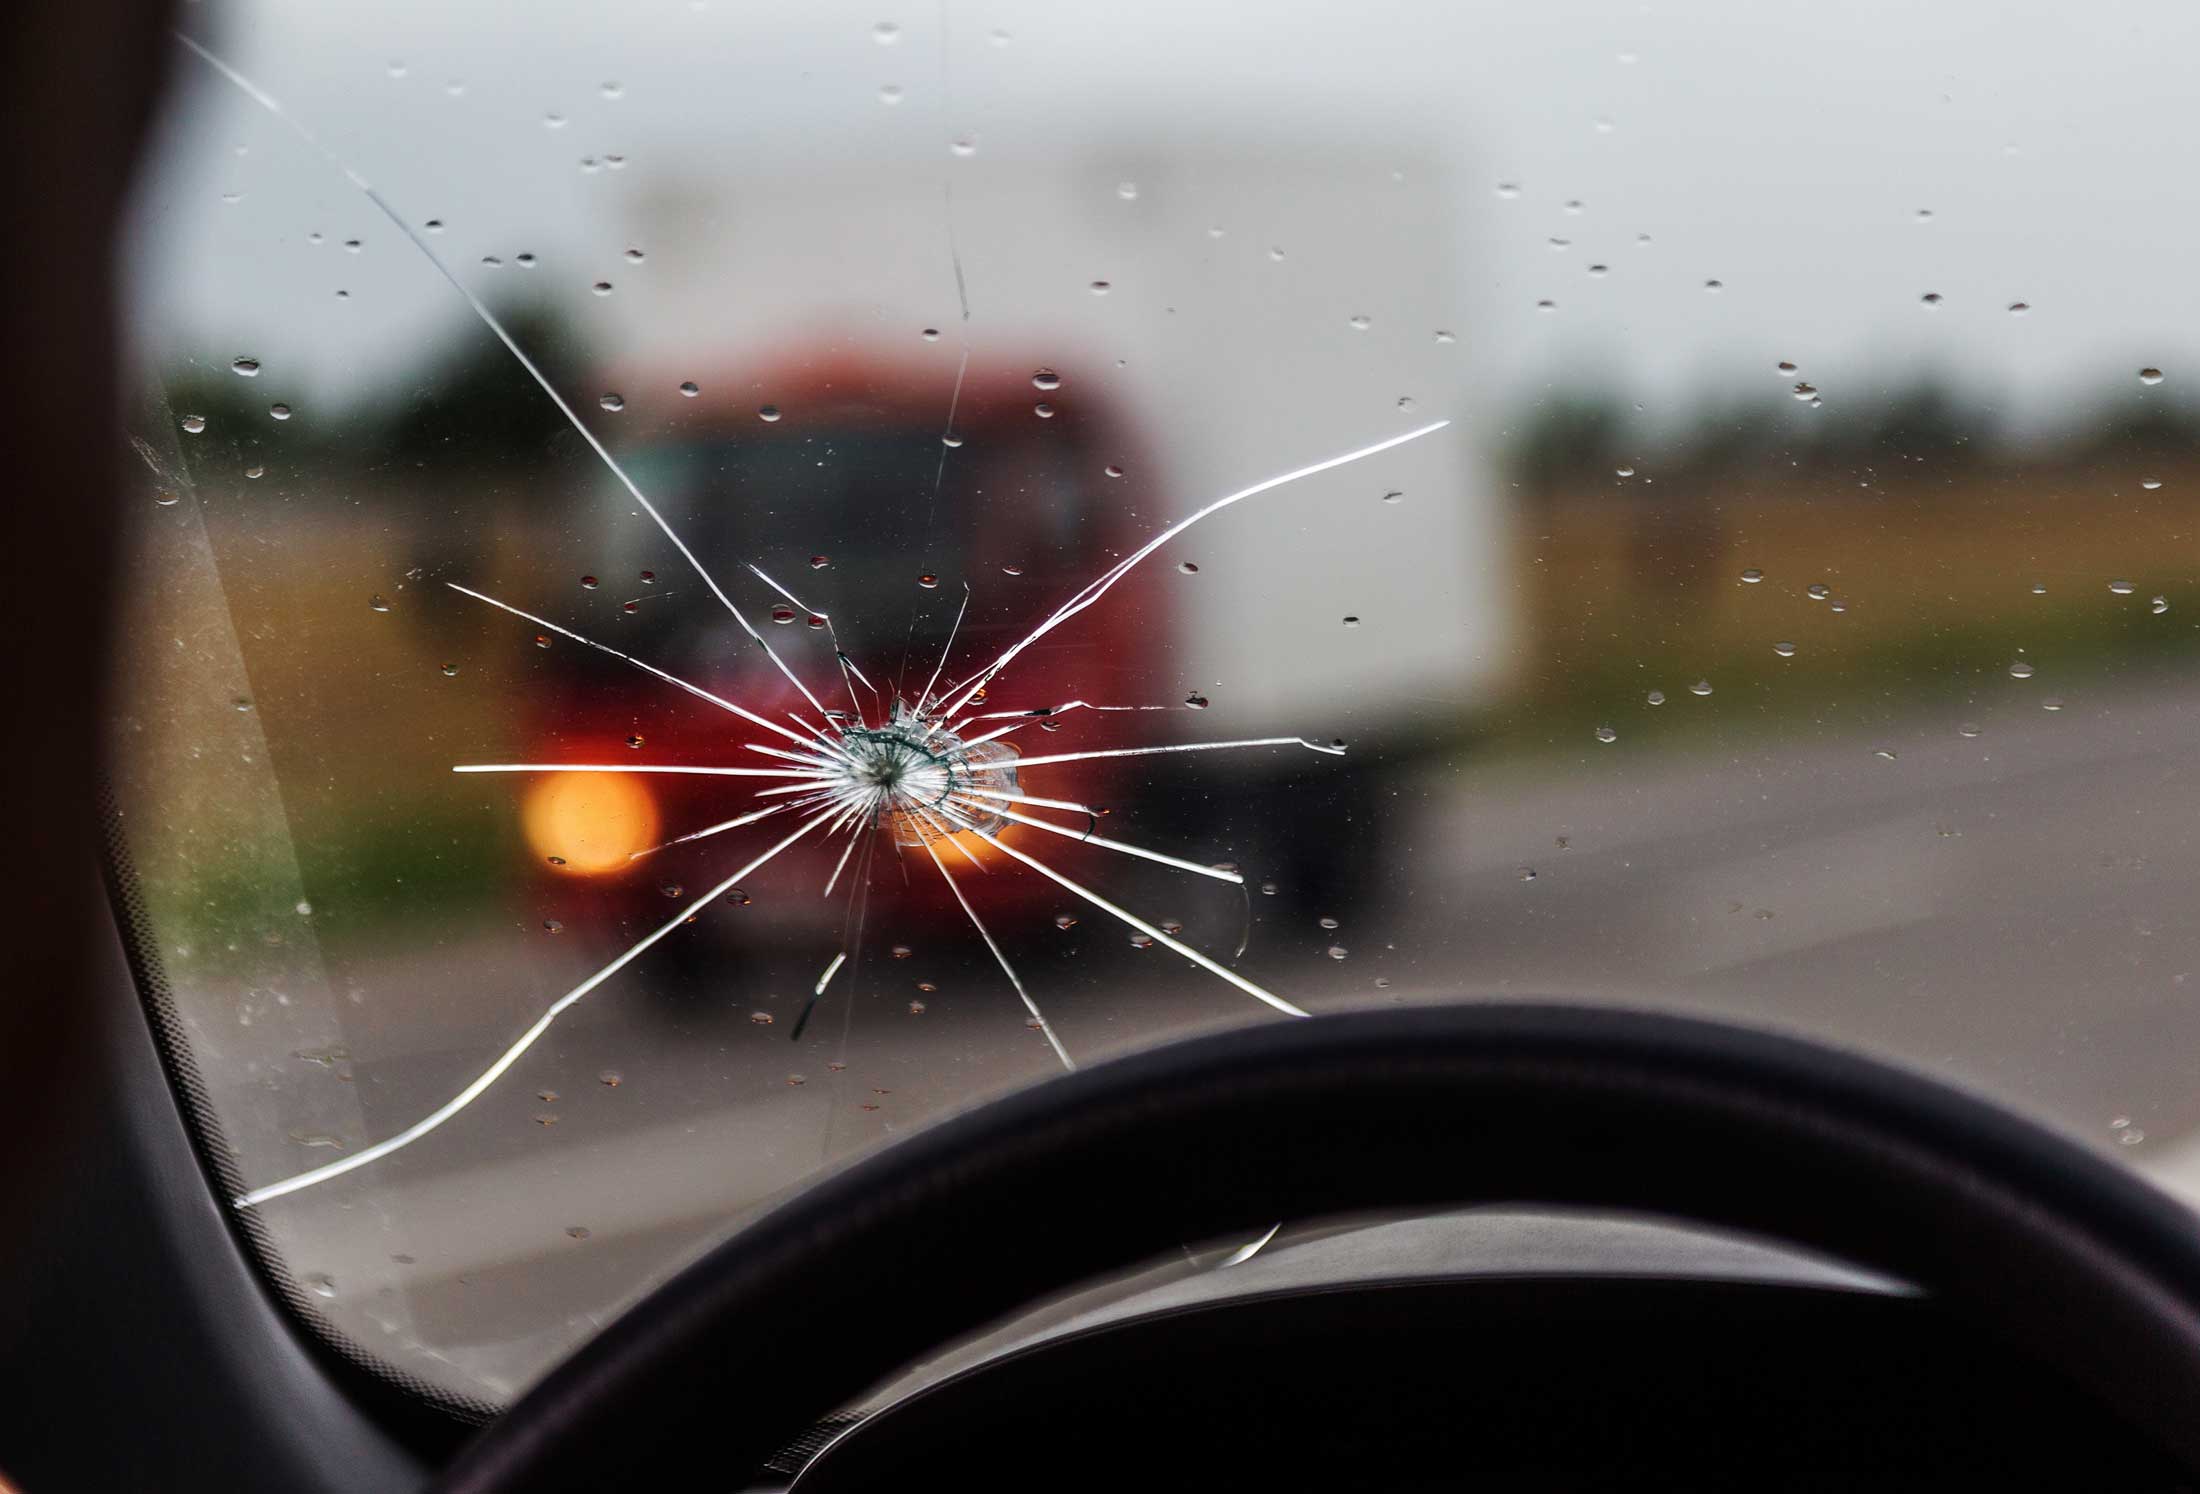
2013	910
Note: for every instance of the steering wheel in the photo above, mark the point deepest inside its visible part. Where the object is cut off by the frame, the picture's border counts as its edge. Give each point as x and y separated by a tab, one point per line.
2008	1226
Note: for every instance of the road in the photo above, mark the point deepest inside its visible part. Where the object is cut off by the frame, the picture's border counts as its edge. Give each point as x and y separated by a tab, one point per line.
2011	909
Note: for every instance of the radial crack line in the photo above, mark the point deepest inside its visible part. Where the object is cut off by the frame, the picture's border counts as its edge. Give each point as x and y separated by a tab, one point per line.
945	649
849	674
1096	589
855	838
1078	757
838	762
1001	959
722	826
489	320
647	668
951	837
710	772
1102	841
509	1056
982	793
851	935
1126	916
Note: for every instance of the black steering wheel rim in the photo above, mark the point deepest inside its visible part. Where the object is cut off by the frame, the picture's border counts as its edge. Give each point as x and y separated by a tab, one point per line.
2068	1255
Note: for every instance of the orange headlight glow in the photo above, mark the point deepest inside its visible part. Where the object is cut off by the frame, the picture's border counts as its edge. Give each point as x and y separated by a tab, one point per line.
589	824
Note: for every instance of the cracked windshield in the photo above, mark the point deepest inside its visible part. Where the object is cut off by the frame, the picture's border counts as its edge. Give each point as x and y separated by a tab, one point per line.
715	582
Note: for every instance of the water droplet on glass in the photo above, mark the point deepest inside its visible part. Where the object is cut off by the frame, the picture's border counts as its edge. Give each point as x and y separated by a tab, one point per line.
2120	588
542	640
553	121
886	33
1328	923
1043	410
2019	308
1805	392
576	1232
889	93
167	498
761	1019
322	1286
1546	306
1196	702
279	411
1267	889
2150	376
1885	754
1337	951
255	470
634	256
1714	285
1968	729
635	741
601	287
1701	687
1655	697
1128	191
2052	703
613	402
1752	576
377	603
2131	1136
2158	605
1351	622
768	413
782	613
2150	483
1100	287
1785	367
917	1008
963	146
1360	323
1276	255
1784	650
1508	189
552	925
1065	920
1443	336
1187	567
930	334
248	368
2021	670
524	261
1600	271
1046	380
1817	591
193	424
690	388
351	246
928	580
450	671
1525	874
1932	298
950	440
1394	496
1607	734
1623	471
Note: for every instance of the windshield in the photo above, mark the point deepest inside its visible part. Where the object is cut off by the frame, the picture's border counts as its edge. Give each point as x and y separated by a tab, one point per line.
713	581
